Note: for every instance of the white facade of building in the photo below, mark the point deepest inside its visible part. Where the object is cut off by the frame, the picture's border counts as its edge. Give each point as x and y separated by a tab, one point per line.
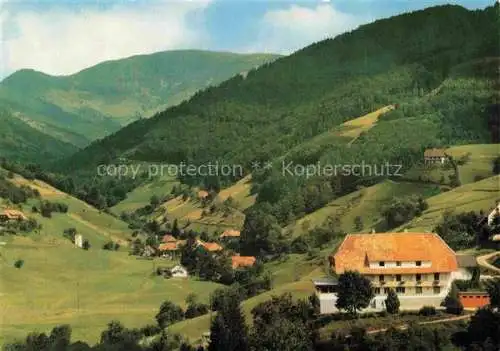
413	294
79	240
493	214
424	278
179	272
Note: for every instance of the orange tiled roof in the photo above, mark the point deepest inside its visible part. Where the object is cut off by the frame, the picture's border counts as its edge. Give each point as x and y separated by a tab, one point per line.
358	249
168	239
14	214
202	194
210	246
434	153
230	233
242	261
168	247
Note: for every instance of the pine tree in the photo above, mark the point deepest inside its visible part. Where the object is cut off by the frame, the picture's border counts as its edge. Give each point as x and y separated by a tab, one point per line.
392	302
228	331
175	229
452	301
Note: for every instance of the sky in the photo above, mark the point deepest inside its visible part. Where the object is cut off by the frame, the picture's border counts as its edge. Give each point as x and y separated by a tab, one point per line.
62	37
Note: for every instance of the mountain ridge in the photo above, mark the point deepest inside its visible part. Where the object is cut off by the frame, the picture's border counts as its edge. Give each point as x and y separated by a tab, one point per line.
98	100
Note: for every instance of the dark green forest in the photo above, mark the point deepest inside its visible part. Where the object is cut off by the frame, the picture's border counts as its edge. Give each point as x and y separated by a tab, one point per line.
287	102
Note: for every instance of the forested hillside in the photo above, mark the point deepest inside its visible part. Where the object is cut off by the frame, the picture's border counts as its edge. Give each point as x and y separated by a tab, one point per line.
101	99
297	97
22	142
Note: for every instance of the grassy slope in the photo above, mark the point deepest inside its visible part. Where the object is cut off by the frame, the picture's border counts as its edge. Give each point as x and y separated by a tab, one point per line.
101	99
191	210
93	224
479	164
344	135
482	195
110	285
61	284
141	195
367	203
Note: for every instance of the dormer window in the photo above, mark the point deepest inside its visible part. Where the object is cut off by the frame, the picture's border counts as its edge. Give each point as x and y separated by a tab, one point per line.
381	264
418	263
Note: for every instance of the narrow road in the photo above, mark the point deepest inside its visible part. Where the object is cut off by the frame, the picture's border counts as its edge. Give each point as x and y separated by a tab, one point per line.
483	261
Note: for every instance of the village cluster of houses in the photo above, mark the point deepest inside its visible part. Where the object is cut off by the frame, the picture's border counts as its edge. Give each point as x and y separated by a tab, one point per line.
170	247
420	267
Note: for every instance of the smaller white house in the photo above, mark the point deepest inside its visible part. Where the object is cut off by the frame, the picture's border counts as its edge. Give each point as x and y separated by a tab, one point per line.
179	272
79	241
495	212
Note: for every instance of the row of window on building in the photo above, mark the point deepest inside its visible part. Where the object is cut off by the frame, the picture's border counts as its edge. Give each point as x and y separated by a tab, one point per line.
399	278
399	263
402	290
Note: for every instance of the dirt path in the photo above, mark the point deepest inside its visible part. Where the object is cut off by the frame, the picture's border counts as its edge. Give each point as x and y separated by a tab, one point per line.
405	326
97	229
483	261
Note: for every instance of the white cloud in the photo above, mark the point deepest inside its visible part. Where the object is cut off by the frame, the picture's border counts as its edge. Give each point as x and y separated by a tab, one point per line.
287	30
64	41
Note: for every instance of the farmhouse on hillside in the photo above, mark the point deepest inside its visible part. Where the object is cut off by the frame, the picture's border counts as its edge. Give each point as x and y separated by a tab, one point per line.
230	233
12	215
209	247
171	249
420	267
168	238
238	261
433	156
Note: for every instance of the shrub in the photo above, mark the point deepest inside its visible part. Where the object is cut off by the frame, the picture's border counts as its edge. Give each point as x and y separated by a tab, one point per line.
196	309
452	302
70	233
168	314
299	245
312	253
86	244
19	263
29	225
111	246
427	311
392	302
